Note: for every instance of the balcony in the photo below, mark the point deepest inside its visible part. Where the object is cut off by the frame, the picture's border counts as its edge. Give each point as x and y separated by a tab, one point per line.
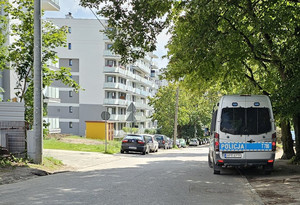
105	37
111	101
110	54
115	86
53	124
119	70
51	95
118	117
50	5
142	67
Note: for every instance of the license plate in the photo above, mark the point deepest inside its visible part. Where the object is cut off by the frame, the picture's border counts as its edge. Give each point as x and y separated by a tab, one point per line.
132	147
233	155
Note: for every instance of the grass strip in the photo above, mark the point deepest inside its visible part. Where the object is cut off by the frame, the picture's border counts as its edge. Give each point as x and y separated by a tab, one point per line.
113	147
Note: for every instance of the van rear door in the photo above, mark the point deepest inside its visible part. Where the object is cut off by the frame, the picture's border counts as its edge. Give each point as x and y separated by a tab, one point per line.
259	129
232	142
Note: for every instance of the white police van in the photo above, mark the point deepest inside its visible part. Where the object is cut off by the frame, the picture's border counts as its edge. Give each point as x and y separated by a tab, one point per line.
242	133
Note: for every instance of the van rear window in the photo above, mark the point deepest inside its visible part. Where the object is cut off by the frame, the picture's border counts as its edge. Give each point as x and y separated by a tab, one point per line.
245	121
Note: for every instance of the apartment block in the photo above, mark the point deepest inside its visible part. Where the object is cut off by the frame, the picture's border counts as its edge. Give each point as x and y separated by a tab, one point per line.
107	84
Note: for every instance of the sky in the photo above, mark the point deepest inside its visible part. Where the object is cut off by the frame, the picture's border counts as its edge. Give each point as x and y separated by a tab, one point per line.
77	11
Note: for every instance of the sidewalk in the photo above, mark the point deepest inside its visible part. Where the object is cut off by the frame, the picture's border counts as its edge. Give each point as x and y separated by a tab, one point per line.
281	187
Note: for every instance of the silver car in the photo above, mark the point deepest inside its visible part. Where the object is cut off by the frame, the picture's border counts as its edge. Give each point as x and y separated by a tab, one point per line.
153	143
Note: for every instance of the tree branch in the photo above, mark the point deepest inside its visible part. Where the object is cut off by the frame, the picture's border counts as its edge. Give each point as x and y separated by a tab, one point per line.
252	80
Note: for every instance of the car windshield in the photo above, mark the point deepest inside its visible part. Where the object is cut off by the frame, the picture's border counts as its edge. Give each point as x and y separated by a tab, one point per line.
133	137
245	121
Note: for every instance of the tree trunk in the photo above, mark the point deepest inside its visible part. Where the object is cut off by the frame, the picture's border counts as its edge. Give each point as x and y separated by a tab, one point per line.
296	120
286	138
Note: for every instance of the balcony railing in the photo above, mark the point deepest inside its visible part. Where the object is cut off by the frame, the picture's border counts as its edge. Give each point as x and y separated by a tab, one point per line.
110	53
110	101
118	117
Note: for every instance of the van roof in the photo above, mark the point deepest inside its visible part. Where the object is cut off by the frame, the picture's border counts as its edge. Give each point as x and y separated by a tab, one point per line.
245	101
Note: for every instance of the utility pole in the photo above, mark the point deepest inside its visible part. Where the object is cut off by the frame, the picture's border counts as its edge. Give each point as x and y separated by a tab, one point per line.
38	100
176	116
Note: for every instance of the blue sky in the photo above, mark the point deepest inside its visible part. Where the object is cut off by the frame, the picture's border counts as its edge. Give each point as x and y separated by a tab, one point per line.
77	11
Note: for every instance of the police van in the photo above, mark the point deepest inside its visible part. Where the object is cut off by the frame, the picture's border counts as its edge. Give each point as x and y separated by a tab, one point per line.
243	133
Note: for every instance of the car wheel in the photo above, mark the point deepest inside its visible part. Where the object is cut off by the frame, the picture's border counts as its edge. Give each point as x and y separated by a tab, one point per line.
209	162
122	151
144	152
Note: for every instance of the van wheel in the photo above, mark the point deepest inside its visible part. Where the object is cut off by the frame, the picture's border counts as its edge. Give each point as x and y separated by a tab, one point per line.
217	169
122	151
267	169
209	162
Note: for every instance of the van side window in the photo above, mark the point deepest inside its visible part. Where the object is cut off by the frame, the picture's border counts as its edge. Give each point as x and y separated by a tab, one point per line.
213	122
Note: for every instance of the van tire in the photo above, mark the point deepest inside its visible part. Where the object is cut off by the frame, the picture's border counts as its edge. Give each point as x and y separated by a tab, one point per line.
217	168
267	169
209	162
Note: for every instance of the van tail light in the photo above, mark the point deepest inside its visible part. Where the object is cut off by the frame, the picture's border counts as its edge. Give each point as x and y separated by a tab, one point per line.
274	141
124	141
140	142
163	141
217	143
270	161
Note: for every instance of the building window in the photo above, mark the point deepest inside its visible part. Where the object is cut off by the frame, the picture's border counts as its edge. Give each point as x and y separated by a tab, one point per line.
110	63
70	93
122	96
69	29
70	109
69	46
110	95
108	46
122	111
122	80
113	111
111	79
70	124
70	62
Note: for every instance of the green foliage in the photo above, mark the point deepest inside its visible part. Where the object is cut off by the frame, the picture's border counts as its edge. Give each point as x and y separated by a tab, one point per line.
150	131
3	36
21	52
193	109
10	159
134	24
131	130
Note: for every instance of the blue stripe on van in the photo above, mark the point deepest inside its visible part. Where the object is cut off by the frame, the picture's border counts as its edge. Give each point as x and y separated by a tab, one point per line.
240	146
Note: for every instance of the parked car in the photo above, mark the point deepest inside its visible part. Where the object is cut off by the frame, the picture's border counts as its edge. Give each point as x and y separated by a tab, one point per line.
194	142
135	143
153	144
182	142
162	141
170	143
178	143
200	140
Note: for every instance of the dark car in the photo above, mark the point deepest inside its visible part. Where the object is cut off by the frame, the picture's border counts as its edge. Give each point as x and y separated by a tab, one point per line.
162	141
135	143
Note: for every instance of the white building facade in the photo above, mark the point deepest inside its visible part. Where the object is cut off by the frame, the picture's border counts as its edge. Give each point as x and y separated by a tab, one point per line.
108	85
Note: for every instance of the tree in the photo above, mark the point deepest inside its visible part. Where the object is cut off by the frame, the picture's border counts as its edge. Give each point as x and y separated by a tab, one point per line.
3	48
249	44
20	13
192	111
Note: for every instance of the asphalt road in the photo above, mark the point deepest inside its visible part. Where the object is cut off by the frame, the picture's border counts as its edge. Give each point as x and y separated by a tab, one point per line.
167	177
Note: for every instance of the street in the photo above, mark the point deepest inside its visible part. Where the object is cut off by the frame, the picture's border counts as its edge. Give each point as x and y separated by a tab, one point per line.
168	177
